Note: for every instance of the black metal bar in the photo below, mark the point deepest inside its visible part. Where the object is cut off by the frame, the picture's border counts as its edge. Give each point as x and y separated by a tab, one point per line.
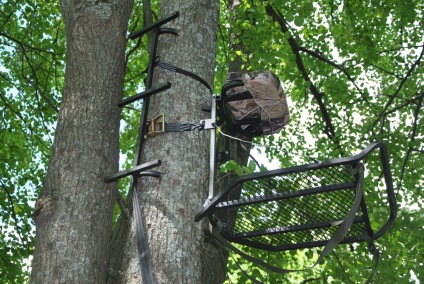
142	95
150	174
303	245
284	195
168	31
134	170
249	121
391	199
232	84
370	231
146	102
288	229
245	96
154	25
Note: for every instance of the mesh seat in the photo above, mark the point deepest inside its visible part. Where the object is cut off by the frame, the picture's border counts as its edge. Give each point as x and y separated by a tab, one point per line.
298	207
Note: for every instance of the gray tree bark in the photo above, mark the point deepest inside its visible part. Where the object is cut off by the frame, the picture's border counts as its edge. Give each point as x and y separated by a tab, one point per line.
74	211
170	203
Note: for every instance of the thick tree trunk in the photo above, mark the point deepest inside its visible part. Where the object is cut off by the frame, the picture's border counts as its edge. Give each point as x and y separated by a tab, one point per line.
170	203
74	212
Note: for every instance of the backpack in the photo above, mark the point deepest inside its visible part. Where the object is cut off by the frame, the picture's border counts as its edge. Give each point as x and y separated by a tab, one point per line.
253	103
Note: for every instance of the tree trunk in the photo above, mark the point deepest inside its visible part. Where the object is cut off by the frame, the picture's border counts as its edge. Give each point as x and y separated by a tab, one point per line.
228	149
74	212
170	203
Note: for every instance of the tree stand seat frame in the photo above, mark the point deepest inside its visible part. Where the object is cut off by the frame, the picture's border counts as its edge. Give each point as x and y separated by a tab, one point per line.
301	206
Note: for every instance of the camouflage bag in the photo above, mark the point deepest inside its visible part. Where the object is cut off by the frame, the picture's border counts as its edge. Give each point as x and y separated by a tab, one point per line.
253	103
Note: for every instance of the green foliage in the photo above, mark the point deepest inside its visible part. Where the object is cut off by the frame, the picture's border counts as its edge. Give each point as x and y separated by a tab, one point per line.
234	167
352	73
32	51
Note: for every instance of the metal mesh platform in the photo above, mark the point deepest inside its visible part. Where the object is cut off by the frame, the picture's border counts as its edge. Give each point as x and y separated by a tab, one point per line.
297	207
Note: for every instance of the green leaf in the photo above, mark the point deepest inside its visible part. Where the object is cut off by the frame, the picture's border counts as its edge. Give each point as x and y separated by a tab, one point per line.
298	20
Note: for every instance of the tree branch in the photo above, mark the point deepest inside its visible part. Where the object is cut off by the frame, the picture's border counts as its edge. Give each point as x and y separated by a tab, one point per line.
342	267
329	127
413	136
396	92
23	120
30	106
42	94
407	103
417	150
399	48
386	71
23	45
137	45
12	211
335	65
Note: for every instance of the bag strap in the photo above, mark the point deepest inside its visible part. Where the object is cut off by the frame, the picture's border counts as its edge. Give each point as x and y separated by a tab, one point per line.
331	244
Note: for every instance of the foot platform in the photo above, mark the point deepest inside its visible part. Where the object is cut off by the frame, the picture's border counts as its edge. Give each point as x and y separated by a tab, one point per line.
302	206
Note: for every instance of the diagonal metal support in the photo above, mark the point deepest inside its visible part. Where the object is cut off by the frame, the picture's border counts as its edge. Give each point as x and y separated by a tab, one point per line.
154	25
145	94
137	170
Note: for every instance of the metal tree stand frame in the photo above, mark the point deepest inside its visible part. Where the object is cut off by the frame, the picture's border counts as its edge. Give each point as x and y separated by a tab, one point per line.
301	206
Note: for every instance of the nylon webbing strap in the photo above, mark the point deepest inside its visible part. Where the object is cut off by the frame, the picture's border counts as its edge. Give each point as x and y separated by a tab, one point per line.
180	127
348	221
331	244
157	126
142	243
375	254
173	68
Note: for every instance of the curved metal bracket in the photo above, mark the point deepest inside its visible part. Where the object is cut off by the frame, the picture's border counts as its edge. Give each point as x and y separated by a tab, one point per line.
168	31
155	174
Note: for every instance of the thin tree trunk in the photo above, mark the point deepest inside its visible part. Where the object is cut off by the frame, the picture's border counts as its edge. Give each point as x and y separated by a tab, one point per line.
74	212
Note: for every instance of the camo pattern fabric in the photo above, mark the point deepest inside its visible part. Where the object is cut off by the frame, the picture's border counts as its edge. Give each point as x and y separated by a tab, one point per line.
267	104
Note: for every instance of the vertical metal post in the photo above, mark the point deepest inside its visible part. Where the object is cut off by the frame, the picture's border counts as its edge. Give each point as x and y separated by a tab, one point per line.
212	153
146	101
157	30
